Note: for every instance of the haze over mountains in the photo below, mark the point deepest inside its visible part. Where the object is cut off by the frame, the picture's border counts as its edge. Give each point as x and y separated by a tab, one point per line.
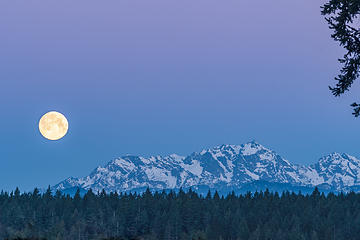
226	168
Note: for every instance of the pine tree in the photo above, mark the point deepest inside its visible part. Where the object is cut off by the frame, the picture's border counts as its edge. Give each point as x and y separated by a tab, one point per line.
341	16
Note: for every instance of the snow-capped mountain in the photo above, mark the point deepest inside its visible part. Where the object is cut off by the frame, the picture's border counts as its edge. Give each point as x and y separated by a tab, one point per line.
337	171
228	167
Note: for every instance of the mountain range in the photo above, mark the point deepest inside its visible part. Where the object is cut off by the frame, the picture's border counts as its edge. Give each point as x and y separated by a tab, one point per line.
225	168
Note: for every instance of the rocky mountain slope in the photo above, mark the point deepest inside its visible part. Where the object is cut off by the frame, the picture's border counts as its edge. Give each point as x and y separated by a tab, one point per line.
225	167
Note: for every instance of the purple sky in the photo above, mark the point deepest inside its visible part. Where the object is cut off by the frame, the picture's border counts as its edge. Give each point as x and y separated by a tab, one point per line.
162	76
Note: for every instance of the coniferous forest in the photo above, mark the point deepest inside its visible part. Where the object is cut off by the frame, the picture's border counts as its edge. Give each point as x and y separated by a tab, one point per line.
181	215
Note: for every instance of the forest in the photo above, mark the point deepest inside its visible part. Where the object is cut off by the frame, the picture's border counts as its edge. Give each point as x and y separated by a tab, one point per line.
179	215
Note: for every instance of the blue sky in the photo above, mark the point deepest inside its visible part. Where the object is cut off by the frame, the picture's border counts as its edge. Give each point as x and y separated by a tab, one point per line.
160	77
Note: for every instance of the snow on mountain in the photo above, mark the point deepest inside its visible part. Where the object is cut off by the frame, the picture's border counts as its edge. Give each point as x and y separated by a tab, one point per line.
336	170
221	167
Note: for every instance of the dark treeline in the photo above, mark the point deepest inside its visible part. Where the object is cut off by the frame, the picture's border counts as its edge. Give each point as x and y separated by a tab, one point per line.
258	216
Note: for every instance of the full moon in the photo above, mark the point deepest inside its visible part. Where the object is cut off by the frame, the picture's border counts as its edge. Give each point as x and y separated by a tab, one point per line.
53	125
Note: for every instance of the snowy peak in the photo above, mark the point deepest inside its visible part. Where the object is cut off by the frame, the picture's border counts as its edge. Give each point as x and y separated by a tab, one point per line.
337	158
338	170
249	148
337	163
252	148
220	167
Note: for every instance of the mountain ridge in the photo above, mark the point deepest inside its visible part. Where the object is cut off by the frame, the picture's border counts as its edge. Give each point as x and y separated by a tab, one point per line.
228	167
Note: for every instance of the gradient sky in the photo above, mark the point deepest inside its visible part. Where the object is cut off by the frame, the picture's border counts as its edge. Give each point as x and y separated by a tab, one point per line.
163	76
